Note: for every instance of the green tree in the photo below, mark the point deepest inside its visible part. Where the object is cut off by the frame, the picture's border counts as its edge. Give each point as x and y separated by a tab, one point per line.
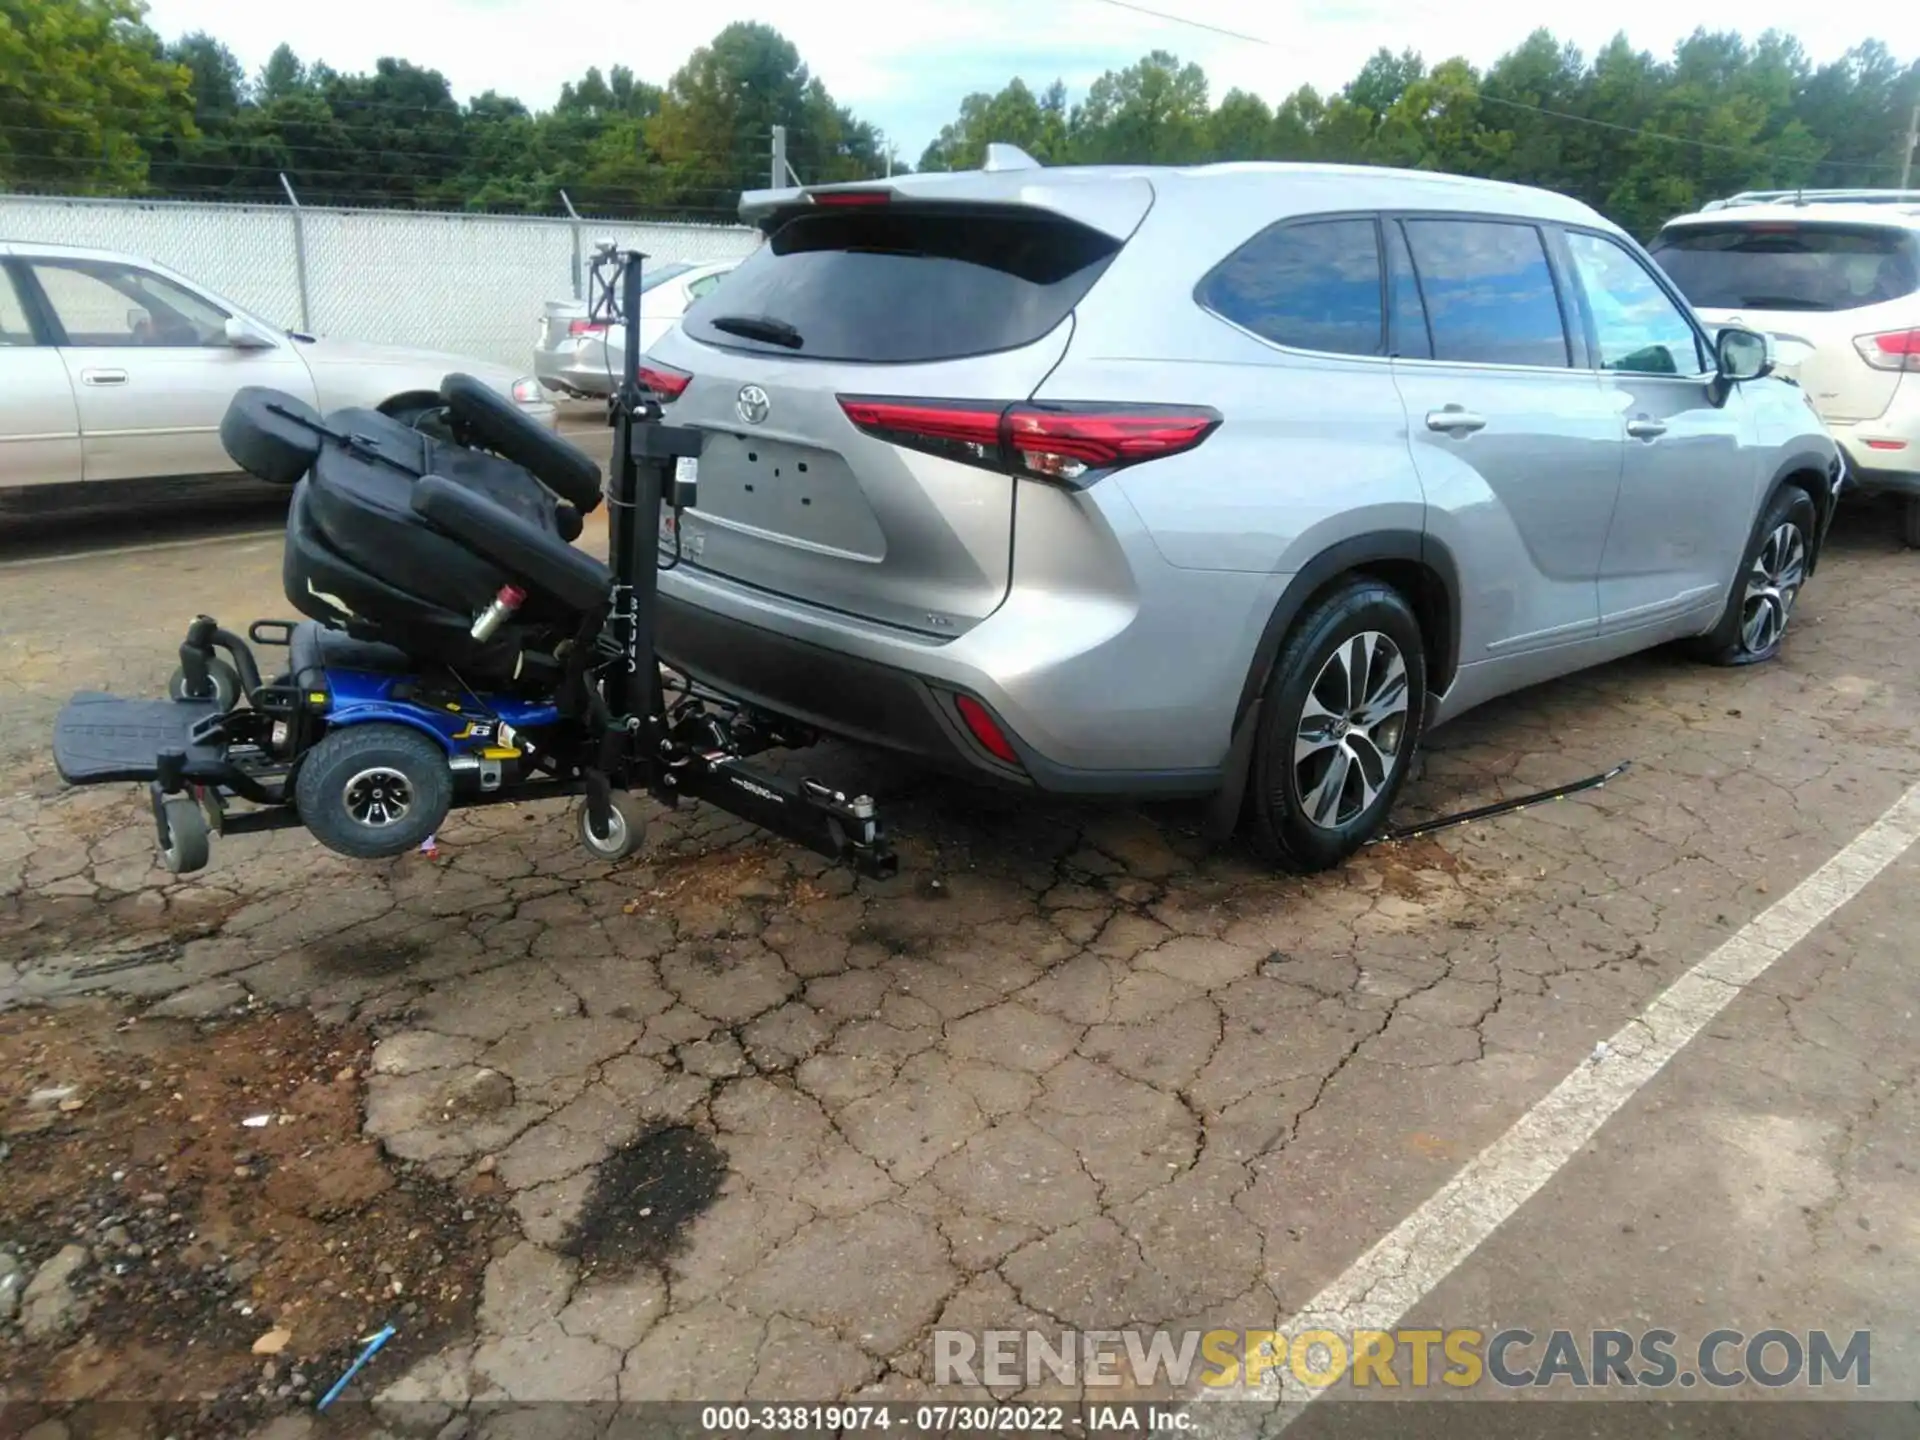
1153	112
1241	128
218	86
714	129
88	91
1015	116
283	75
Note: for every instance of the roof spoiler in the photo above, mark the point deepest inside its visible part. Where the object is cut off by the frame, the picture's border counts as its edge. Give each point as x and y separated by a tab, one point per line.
1804	197
762	208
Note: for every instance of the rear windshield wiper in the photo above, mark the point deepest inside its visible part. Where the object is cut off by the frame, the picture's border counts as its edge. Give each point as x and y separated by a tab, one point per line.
759	327
1779	302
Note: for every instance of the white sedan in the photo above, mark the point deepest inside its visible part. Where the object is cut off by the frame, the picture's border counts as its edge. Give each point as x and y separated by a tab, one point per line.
575	354
117	368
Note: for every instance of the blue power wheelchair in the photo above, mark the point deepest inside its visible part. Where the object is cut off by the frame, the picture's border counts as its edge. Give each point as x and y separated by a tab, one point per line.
457	648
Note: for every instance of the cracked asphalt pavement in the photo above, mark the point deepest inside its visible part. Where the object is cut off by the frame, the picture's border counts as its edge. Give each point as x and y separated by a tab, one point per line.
1071	1067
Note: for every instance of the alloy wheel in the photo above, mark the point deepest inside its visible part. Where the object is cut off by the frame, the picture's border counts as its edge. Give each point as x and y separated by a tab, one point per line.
1773	584
1351	729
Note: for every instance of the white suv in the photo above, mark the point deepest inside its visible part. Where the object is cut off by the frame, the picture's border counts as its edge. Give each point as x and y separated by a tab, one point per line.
1833	277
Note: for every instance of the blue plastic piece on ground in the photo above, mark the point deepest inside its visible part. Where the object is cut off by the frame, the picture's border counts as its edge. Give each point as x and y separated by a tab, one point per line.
367	1354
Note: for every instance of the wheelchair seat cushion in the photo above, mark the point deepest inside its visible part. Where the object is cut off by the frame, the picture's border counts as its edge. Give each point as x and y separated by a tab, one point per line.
270	434
316	648
360	503
488	418
321	583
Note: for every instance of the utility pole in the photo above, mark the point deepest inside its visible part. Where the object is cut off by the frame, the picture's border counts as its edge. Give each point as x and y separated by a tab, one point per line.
1913	142
779	181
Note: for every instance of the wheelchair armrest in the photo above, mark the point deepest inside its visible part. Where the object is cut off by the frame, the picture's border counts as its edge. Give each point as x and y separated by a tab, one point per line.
543	562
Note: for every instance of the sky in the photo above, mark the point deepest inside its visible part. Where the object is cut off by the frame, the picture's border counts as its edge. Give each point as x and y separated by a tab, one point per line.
905	65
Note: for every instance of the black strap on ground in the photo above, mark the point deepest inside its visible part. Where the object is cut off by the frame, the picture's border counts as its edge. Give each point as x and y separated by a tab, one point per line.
1502	807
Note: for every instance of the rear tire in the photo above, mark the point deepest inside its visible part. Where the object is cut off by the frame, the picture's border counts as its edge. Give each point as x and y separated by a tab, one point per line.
1767	585
1339	722
1910	521
374	791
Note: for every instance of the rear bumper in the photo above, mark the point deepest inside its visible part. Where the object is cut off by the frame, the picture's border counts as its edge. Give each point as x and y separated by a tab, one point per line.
574	372
1884	454
1093	701
881	705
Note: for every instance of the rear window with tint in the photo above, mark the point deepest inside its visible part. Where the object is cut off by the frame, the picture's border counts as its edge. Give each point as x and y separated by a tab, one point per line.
1789	266
899	284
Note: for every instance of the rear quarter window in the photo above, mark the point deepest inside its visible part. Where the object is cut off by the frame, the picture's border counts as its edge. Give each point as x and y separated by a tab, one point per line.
1790	266
900	284
1312	285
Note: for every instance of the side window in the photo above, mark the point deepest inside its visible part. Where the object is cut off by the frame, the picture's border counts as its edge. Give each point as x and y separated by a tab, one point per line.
1314	286
1489	291
1408	312
15	328
1640	330
101	304
705	283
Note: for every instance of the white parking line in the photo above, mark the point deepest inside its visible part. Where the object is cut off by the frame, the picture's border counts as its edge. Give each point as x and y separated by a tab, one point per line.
1380	1288
154	548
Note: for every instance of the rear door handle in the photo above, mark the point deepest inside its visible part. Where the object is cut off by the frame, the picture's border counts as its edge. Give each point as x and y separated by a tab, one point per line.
1454	421
103	377
1645	427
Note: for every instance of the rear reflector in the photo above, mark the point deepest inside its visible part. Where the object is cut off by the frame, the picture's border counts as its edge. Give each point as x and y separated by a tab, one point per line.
1893	350
986	729
1886	444
586	327
1073	444
664	381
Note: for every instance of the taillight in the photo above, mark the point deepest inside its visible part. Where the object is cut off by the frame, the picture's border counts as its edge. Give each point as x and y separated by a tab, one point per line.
1893	350
1070	443
1065	442
664	381
586	327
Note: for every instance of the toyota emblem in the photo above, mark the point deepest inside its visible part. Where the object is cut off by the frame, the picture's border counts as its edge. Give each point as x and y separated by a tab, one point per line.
752	404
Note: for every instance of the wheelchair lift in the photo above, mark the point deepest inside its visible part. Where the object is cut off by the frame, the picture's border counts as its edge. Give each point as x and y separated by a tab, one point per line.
697	748
403	743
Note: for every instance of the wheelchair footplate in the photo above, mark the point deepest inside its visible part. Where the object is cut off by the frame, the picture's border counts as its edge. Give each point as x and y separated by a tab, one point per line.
193	755
107	739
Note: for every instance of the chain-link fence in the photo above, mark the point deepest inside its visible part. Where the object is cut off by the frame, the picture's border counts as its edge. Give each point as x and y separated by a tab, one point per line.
471	285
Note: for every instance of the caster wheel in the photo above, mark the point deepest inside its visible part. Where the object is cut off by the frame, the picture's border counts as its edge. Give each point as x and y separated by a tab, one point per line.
186	848
627	830
374	791
222	679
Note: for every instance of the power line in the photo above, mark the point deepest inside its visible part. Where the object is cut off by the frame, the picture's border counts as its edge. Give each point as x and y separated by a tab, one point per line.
1186	20
1876	166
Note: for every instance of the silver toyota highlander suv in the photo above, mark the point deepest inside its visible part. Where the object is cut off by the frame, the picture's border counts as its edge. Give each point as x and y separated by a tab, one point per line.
1226	482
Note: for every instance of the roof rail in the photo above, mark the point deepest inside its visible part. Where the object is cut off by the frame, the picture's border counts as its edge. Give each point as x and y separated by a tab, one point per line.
1809	197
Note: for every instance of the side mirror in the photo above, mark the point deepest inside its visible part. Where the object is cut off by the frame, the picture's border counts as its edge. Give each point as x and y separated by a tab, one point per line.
1743	354
242	336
